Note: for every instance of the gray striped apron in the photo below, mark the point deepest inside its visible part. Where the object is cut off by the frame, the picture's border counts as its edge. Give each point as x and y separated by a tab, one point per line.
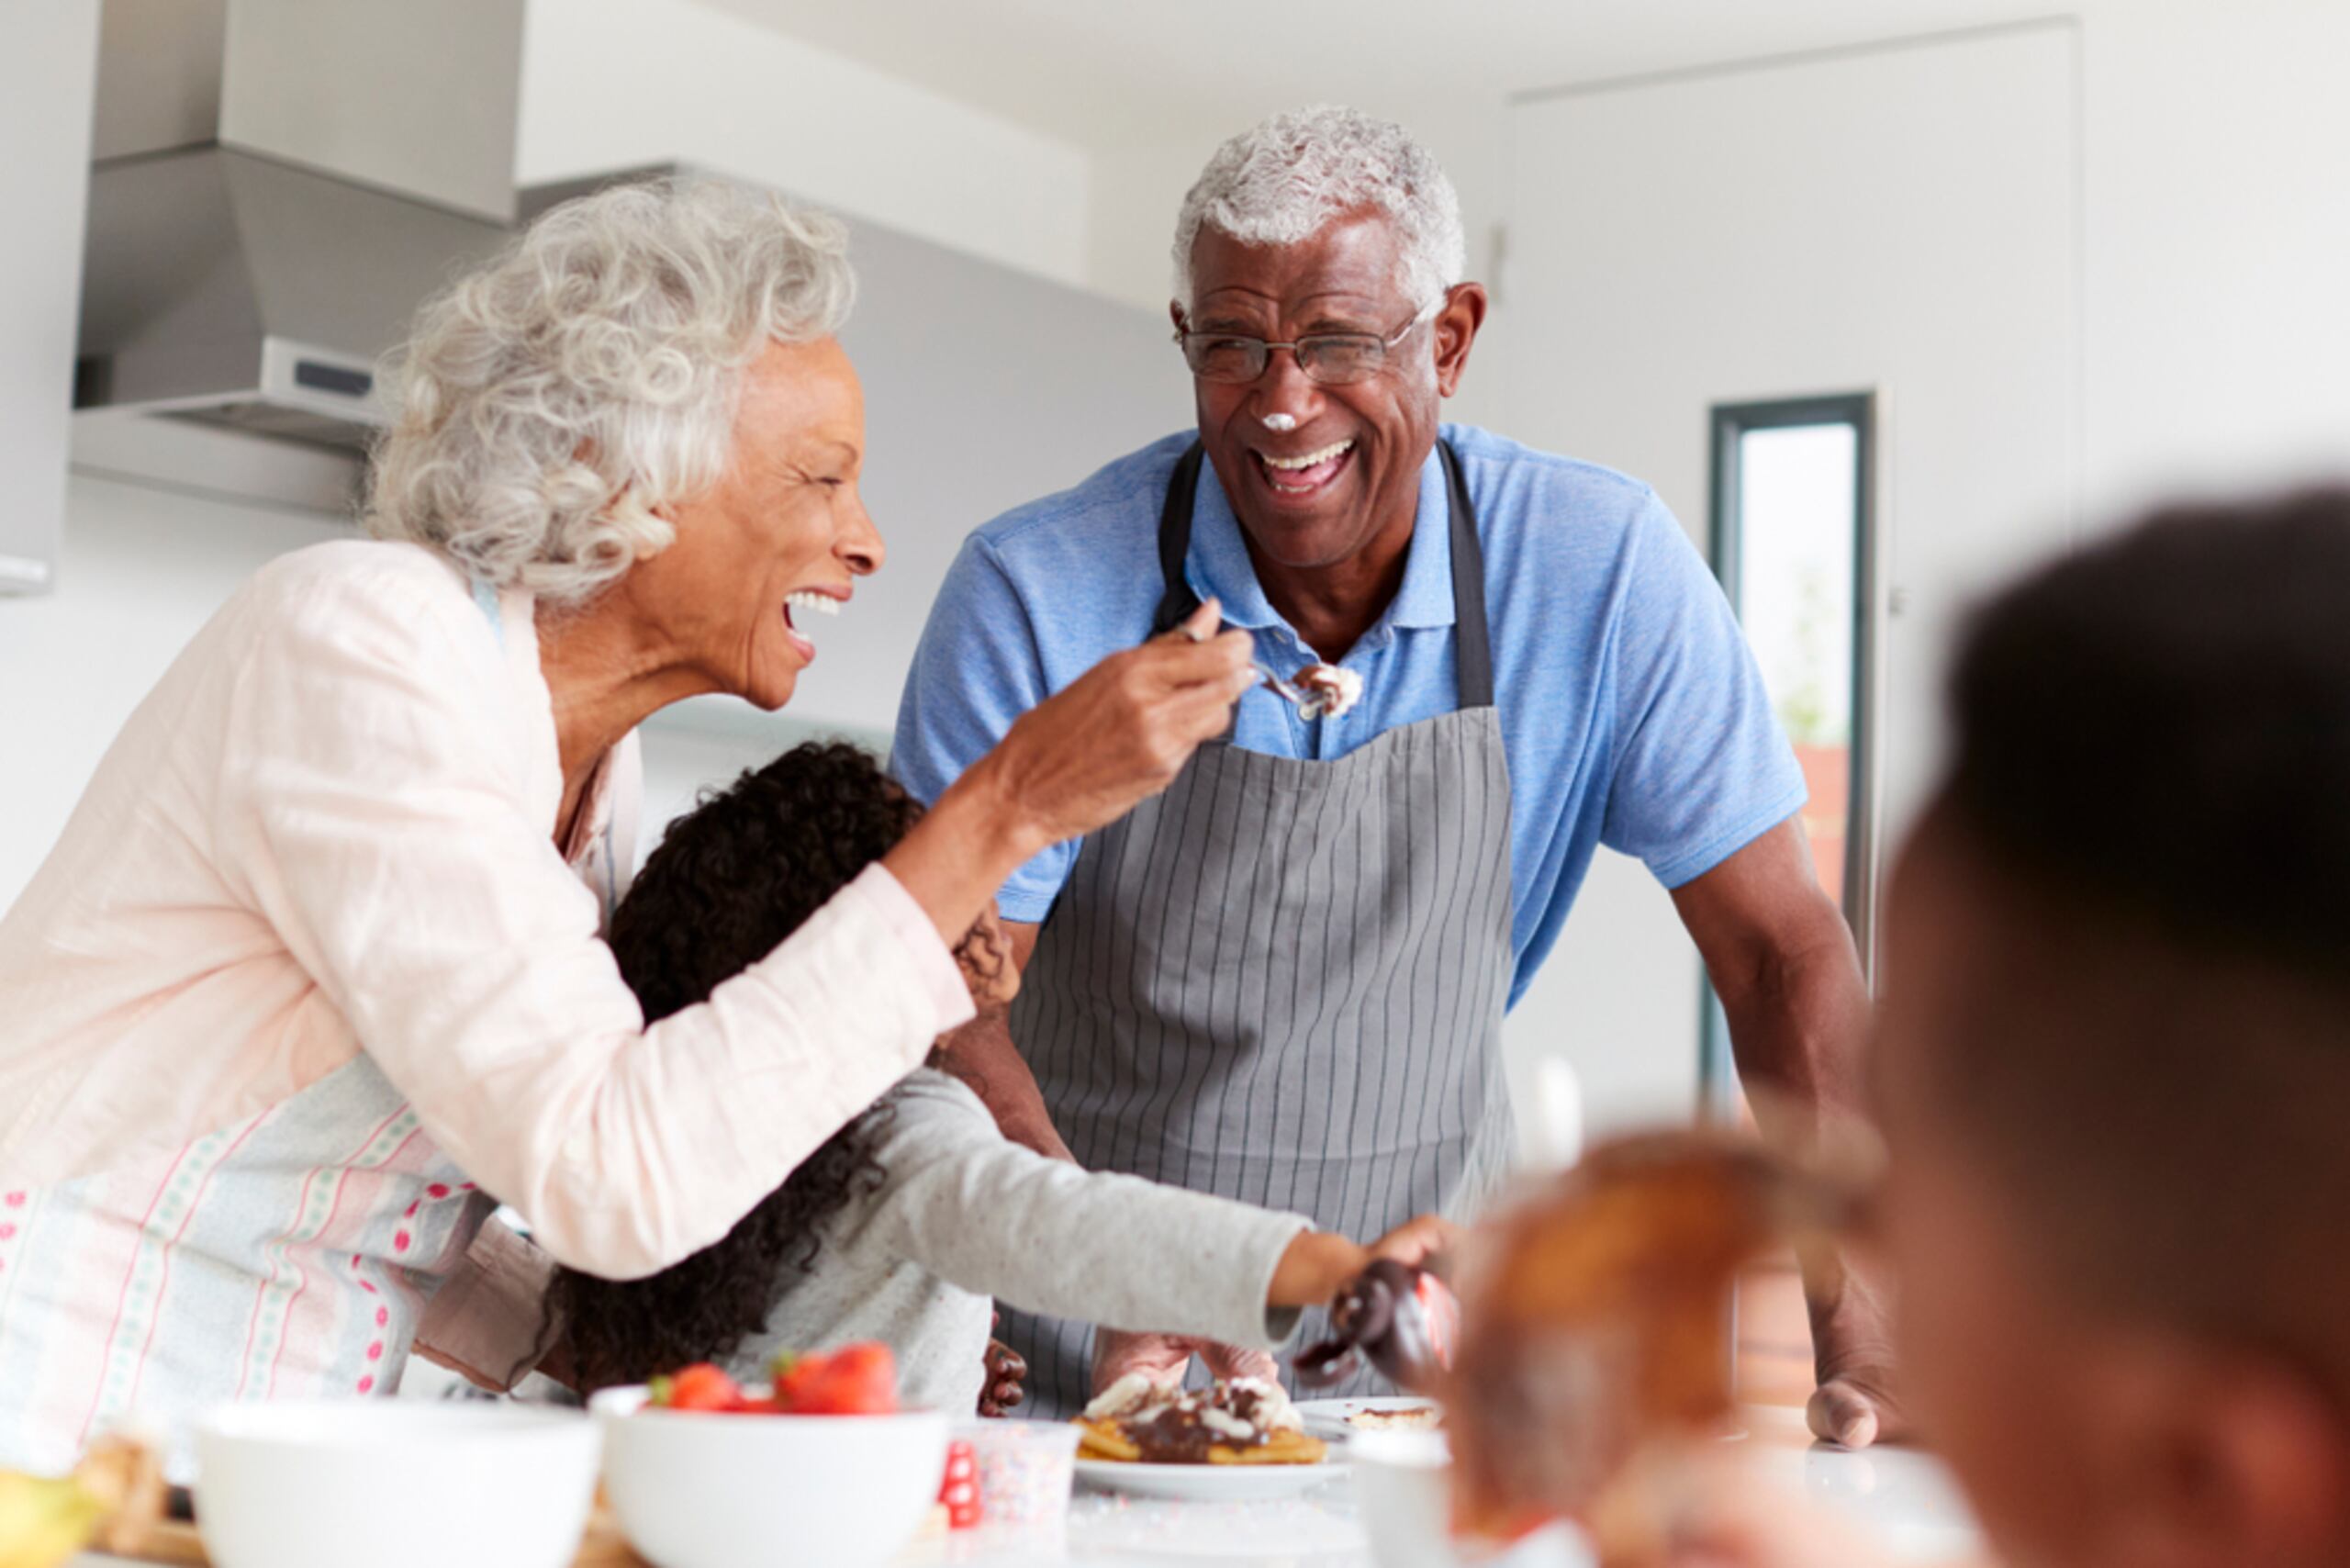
1282	981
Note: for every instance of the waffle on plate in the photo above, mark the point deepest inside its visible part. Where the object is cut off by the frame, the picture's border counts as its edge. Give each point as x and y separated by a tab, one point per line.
1242	1421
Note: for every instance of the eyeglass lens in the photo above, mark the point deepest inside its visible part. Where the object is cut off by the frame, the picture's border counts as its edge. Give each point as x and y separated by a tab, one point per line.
1331	361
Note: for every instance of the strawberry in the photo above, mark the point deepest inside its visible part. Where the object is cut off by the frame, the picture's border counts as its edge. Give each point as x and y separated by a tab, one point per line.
698	1387
856	1379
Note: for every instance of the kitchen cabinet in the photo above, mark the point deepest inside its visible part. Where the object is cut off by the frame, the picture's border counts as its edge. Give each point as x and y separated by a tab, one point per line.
48	63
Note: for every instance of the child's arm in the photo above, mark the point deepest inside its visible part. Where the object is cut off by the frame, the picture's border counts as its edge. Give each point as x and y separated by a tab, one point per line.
998	1219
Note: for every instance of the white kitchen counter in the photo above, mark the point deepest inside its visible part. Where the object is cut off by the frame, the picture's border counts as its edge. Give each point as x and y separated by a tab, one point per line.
1900	1494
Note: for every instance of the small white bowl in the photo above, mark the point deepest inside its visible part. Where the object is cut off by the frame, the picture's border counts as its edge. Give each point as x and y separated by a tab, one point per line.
1403	1495
694	1489
394	1483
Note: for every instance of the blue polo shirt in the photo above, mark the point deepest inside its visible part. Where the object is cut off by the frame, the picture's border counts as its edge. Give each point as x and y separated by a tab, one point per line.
1631	711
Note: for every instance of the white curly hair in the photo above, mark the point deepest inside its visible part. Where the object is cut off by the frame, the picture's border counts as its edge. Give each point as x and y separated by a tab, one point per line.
590	373
1280	180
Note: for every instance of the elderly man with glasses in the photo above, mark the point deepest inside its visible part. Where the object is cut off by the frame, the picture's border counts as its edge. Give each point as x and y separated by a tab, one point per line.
1285	979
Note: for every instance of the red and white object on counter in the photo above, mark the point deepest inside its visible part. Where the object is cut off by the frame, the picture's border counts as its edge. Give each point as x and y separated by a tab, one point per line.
959	1493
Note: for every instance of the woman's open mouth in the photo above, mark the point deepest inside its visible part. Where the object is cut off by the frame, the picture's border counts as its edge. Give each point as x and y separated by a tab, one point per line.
1308	472
808	603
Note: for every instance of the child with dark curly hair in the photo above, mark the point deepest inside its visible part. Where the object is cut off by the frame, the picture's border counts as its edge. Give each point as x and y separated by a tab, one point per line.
904	1225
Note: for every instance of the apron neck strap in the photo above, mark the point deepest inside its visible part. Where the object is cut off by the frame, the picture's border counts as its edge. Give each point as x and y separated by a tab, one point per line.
1472	639
1473	642
1175	543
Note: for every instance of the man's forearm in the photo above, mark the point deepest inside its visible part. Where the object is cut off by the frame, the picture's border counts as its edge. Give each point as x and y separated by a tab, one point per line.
1789	979
1799	1036
982	1055
1798	1027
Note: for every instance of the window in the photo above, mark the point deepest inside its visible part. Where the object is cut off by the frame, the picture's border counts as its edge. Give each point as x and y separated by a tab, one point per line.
1792	542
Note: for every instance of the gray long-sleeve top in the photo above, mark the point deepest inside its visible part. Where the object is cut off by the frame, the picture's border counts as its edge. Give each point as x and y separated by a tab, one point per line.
964	1218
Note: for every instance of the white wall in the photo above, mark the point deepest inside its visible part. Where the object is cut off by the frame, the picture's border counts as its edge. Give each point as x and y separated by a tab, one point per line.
2215	228
139	572
612	83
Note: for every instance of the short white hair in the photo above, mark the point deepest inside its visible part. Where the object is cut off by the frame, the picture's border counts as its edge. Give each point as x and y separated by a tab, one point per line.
1278	182
590	373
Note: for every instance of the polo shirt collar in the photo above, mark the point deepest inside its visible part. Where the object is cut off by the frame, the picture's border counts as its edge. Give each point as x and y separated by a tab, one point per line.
1219	568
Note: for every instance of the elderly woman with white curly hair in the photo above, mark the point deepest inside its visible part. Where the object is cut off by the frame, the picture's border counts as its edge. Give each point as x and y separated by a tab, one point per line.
314	975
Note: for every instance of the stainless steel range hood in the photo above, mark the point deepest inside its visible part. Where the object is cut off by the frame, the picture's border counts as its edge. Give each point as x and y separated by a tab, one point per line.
231	289
278	185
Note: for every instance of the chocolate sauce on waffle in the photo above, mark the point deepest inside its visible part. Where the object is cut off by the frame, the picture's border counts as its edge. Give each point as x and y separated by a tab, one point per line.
1179	1429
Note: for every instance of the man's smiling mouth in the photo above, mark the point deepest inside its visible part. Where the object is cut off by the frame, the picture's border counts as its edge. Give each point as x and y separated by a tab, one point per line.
1308	471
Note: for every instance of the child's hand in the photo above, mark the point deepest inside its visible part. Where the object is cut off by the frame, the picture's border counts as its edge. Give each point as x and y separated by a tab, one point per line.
1317	1266
1415	1241
1320	1263
1006	1369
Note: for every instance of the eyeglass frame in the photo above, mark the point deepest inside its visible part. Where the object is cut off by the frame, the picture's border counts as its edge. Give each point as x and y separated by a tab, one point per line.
1386	346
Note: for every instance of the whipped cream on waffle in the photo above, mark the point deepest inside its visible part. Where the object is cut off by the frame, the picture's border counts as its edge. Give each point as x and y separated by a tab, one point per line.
1166	1422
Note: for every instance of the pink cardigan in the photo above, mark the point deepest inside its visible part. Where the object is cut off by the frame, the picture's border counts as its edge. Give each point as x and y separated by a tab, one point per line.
329	830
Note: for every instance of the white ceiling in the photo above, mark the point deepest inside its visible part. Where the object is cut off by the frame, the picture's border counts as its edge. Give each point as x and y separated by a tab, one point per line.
1103	72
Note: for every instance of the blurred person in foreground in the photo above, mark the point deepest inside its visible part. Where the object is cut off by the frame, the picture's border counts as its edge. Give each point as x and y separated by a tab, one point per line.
2114	1064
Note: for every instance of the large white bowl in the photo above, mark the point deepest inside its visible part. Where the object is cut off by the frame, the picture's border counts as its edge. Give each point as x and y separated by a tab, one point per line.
698	1490
394	1483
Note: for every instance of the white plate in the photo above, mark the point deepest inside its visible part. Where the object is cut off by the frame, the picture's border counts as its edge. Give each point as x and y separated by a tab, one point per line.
1326	1418
1206	1483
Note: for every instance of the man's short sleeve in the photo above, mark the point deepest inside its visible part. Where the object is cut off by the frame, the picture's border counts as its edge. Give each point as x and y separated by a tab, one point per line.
1701	768
975	671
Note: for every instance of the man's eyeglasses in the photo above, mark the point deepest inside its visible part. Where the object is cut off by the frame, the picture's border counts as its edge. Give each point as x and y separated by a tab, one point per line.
1328	359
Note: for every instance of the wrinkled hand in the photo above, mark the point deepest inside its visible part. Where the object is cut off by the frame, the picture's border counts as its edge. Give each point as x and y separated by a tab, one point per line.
1007	1370
1853	1408
1164	1358
1122	731
1854	1404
